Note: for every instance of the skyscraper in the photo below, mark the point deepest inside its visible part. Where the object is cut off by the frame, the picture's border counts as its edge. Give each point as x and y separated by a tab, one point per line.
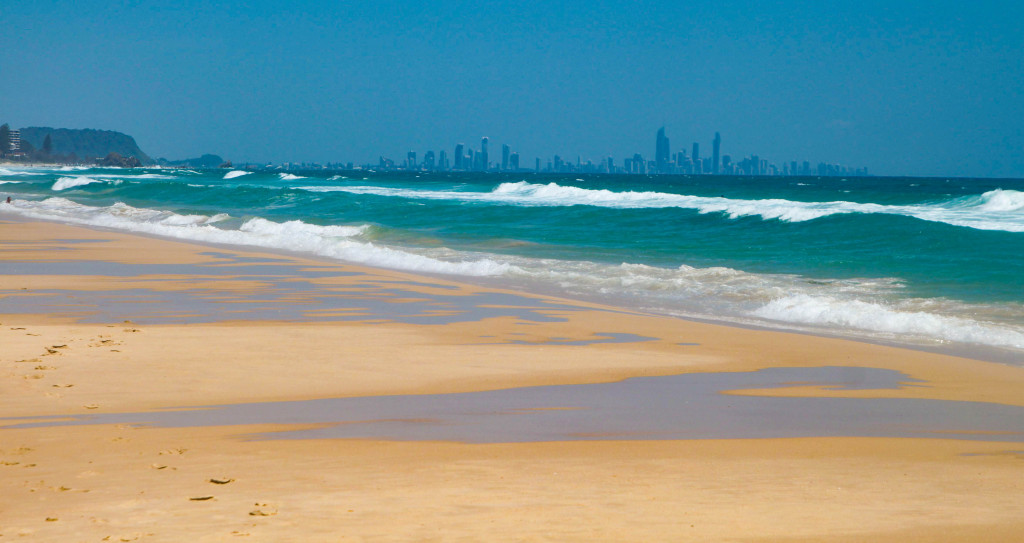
513	161
716	146
482	157
661	156
504	156
459	154
639	164
442	161
695	156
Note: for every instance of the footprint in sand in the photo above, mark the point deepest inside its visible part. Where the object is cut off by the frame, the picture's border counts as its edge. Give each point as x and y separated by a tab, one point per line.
222	481
263	510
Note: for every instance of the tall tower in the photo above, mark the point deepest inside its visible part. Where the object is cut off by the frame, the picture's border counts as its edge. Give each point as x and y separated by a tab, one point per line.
483	154
460	153
504	156
661	154
716	146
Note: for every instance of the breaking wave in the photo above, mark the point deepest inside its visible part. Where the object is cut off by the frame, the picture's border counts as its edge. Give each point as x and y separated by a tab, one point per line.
65	183
337	242
897	319
994	210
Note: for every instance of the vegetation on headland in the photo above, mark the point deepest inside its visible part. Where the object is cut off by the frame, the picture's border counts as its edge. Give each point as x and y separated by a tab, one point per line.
45	145
64	145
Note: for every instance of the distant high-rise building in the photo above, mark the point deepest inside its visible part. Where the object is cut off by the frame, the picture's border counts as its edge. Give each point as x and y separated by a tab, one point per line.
537	165
442	161
695	155
504	156
460	153
716	146
661	155
639	164
611	165
428	161
482	157
410	160
513	162
14	141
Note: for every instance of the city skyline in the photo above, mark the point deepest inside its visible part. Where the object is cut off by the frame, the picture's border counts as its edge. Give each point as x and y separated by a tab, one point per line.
666	162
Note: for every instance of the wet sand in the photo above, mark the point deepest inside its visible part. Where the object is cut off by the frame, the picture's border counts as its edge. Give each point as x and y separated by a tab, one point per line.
220	326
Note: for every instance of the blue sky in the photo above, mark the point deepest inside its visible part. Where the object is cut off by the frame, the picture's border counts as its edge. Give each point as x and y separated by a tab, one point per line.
921	88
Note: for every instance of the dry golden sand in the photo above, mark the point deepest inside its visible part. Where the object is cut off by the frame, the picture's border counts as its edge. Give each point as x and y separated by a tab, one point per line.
88	483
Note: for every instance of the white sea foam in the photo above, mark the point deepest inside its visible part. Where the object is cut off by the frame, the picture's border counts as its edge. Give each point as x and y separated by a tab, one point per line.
871	307
5	171
124	175
289	176
994	210
236	173
65	183
864	307
339	242
890	319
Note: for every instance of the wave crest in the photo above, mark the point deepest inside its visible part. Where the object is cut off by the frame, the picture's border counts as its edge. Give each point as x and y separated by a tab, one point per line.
65	183
337	242
875	317
993	210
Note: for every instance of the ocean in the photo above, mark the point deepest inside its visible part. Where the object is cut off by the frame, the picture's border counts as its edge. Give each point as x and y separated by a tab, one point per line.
931	263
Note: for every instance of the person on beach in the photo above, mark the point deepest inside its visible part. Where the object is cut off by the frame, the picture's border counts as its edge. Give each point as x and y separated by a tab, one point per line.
8	199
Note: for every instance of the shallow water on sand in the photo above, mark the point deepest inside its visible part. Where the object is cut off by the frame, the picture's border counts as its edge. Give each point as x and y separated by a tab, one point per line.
688	406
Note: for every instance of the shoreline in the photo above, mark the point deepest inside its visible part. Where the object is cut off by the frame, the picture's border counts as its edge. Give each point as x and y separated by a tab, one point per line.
980	352
357	332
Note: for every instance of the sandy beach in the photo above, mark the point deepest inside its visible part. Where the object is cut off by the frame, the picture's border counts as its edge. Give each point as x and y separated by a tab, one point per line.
99	323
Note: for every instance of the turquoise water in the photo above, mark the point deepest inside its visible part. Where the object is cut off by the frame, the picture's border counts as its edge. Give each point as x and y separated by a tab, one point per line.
922	261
